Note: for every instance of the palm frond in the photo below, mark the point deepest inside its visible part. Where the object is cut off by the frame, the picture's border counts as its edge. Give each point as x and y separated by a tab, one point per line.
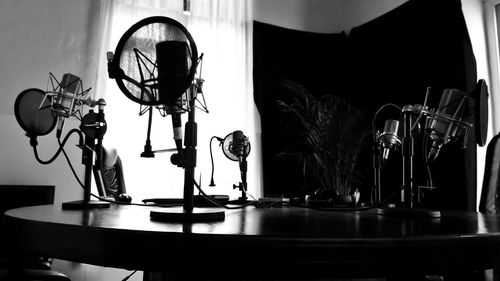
327	134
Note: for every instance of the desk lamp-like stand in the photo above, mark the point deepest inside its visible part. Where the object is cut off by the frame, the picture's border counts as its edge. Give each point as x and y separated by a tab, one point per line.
236	147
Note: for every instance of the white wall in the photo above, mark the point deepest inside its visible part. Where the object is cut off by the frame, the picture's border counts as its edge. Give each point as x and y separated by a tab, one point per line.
39	37
324	16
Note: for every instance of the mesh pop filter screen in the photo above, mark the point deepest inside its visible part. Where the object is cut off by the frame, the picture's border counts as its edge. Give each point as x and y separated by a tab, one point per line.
136	58
35	118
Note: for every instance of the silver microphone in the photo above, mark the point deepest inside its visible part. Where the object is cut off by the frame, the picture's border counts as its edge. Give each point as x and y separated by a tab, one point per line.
388	139
65	102
67	98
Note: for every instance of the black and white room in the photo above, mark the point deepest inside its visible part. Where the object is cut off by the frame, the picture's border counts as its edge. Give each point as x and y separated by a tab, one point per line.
249	140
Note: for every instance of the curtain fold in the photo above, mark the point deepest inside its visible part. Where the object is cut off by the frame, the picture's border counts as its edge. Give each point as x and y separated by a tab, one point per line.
221	30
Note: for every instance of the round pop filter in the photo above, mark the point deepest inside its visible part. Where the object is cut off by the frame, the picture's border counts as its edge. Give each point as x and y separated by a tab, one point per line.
35	118
480	95
155	61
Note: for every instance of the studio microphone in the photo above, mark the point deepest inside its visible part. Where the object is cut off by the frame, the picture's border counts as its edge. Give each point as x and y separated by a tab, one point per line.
66	99
172	72
65	102
445	123
389	138
239	144
239	148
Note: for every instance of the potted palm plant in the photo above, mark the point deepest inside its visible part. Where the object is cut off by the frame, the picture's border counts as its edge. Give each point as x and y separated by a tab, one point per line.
326	135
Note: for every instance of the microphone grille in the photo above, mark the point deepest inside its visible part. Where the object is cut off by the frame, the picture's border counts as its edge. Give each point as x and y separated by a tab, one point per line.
69	83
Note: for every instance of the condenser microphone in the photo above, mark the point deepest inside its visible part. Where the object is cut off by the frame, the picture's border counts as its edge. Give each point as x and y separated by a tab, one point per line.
173	70
239	148
444	124
65	102
172	74
389	138
239	144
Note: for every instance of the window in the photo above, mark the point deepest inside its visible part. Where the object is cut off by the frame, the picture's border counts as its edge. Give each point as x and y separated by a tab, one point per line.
222	32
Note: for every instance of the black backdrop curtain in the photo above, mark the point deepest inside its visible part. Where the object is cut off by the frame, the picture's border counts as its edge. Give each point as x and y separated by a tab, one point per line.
391	59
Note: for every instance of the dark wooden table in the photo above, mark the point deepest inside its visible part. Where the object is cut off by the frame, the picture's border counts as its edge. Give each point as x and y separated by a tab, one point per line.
262	242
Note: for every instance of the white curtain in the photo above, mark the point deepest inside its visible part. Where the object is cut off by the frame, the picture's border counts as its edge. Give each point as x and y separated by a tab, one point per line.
222	32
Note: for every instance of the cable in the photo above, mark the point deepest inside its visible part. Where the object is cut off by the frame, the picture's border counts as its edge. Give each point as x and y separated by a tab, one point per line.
374	120
212	183
200	190
426	161
61	147
71	165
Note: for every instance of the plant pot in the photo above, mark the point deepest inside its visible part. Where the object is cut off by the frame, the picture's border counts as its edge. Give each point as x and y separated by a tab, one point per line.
326	197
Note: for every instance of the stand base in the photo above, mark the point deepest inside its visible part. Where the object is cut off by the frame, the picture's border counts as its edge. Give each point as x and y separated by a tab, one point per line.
180	215
409	212
84	204
239	201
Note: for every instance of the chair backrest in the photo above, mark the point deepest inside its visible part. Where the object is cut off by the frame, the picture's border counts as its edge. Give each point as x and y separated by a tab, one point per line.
488	202
16	196
109	178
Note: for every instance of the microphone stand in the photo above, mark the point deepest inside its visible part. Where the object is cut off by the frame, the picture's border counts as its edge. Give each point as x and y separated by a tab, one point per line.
93	125
188	162
408	206
408	145
242	186
377	167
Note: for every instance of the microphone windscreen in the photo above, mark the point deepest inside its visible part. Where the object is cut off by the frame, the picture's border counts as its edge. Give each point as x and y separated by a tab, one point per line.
172	62
34	113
